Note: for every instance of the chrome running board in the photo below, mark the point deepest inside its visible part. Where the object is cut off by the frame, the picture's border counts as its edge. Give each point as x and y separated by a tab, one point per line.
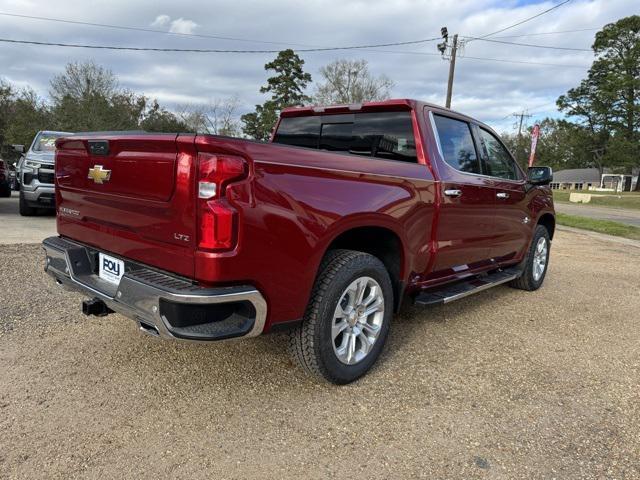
465	288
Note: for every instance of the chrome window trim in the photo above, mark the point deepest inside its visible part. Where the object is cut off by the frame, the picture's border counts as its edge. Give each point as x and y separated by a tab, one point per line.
437	135
524	176
480	175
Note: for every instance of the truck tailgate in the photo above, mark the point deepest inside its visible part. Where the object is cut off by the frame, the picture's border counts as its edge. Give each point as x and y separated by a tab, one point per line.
130	194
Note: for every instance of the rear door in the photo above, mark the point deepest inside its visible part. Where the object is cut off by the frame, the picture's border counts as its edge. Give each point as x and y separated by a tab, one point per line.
465	225
512	225
130	194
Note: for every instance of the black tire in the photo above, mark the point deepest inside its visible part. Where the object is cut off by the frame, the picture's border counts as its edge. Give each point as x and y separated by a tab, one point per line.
25	209
311	344
5	191
528	281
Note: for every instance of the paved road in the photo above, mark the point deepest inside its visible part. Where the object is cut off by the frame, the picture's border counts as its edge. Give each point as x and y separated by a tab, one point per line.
17	229
622	215
506	384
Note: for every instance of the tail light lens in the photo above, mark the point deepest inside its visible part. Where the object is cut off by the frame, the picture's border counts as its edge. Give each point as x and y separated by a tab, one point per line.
217	219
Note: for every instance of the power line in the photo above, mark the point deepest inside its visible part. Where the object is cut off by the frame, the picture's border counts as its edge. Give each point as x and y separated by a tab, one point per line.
525	20
504	60
467	57
147	30
549	33
212	36
530	44
210	50
103	47
538	112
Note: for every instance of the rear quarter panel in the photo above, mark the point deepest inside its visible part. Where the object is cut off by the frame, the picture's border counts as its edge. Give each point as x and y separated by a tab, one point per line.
298	201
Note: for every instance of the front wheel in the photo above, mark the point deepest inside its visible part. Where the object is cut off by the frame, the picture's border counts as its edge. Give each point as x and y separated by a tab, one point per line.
347	320
25	209
535	267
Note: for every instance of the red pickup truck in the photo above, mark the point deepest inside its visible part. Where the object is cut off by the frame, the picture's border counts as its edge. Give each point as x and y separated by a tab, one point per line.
322	232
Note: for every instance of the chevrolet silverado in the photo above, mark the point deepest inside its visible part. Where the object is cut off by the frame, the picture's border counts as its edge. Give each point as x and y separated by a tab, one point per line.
322	232
35	173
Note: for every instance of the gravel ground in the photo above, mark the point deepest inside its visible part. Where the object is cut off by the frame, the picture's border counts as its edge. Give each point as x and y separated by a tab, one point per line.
505	384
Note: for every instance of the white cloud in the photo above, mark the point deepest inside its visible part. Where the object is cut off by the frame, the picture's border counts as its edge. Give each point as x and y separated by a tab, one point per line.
181	25
161	21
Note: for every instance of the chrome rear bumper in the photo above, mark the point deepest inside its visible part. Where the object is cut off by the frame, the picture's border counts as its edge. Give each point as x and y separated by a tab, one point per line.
162	304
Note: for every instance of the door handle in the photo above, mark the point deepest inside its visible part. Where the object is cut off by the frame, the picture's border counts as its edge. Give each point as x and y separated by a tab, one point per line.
502	195
453	193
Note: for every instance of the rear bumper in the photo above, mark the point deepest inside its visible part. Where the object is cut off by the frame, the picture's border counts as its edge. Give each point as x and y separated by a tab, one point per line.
162	304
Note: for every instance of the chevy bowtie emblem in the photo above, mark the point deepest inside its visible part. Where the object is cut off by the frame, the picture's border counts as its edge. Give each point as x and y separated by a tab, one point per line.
98	175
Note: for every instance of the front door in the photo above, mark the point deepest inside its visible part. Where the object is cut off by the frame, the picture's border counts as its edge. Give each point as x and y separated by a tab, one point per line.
464	229
512	224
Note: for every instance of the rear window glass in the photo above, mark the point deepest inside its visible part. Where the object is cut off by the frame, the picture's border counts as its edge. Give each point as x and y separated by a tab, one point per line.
336	136
457	145
387	135
299	131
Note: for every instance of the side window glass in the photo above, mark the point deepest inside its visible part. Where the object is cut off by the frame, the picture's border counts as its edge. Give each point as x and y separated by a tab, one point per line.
457	144
498	161
299	131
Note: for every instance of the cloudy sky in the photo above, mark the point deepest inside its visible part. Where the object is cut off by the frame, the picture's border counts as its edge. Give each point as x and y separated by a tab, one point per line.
489	83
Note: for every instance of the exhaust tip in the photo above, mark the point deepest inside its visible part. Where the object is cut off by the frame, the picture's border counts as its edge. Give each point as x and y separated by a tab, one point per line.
148	329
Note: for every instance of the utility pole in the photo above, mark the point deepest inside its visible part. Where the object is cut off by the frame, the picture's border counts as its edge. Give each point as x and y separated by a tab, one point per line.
452	69
452	49
522	116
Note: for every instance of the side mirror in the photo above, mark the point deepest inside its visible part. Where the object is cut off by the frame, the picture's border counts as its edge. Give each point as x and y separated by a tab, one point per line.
540	175
18	148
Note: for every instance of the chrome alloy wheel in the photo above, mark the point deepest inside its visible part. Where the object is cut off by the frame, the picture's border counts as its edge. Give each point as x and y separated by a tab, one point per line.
357	320
540	258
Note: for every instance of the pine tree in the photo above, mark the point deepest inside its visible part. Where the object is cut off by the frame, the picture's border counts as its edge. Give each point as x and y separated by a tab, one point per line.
286	88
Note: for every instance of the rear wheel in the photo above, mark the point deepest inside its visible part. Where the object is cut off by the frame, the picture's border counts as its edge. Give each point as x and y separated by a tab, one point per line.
535	268
5	191
347	319
25	209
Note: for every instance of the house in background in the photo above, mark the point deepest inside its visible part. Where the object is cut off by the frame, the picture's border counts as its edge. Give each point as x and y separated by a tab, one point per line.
576	179
591	179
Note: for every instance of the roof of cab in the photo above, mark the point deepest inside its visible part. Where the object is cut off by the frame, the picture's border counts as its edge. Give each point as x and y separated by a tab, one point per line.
391	104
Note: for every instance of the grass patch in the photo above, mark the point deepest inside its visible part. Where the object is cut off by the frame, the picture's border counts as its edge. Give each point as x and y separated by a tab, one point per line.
630	200
601	226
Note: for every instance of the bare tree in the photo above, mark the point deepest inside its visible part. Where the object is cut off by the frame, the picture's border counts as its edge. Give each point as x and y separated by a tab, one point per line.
222	117
194	117
83	80
349	81
218	117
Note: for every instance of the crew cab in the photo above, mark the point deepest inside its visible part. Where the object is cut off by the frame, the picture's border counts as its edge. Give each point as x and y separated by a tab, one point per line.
323	232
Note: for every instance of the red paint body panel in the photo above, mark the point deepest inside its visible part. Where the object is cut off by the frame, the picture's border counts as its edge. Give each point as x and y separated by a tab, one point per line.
292	204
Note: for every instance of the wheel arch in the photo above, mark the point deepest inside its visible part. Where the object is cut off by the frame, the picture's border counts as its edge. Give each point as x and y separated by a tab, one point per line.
548	220
381	242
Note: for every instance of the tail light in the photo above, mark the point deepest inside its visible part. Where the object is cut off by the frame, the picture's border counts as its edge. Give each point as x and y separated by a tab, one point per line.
217	219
